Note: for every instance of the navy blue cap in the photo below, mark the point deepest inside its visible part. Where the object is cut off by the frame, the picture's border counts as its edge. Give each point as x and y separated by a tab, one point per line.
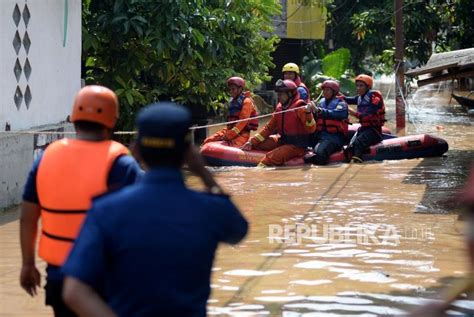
164	126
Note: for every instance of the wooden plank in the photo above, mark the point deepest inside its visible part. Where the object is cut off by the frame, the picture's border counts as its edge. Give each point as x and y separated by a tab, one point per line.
427	70
435	79
441	61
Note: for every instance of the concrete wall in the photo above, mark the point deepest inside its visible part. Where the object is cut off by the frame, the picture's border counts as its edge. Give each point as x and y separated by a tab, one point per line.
39	71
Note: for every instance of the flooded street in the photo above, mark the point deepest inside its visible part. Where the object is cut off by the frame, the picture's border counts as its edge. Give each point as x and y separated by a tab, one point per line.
360	240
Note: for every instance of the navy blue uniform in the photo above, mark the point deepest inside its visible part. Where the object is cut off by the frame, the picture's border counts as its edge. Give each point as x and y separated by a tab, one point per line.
370	110
328	139
152	245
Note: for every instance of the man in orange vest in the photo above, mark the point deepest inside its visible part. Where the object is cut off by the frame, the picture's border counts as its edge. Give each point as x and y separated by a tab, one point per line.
291	71
293	128
241	106
62	183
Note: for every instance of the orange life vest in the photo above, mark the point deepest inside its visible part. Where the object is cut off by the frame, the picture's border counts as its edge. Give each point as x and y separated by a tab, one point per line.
331	125
234	112
70	174
289	126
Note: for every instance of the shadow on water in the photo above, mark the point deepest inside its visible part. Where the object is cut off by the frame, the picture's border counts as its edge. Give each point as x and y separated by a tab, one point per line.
444	179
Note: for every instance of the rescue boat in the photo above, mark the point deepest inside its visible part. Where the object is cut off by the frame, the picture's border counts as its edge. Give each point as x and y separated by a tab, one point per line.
391	148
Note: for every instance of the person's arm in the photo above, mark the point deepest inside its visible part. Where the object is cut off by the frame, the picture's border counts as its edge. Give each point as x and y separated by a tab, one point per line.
268	129
338	113
232	227
125	171
30	277
245	113
303	93
351	100
307	119
196	164
83	300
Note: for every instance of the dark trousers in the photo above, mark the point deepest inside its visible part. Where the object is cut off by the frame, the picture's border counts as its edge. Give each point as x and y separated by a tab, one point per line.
326	145
54	289
366	137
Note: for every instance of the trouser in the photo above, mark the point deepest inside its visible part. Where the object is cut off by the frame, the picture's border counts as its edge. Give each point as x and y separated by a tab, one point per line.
366	137
238	141
54	289
279	153
326	144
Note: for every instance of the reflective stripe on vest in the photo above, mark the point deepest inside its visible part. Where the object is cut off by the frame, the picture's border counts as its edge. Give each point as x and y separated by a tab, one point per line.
363	107
289	126
234	113
331	125
70	174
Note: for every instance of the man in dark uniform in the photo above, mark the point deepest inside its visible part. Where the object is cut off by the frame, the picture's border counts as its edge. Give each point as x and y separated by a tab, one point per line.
152	244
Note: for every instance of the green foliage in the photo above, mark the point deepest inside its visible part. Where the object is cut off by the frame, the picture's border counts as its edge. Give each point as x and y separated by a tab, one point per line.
367	29
150	50
334	65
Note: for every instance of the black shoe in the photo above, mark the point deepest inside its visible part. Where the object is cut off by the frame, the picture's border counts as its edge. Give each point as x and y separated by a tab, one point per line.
357	160
309	158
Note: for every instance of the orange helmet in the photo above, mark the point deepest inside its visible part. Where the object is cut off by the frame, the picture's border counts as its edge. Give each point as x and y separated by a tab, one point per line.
96	104
366	79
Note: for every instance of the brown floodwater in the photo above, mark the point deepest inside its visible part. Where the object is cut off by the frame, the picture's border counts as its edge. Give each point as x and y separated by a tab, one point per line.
342	240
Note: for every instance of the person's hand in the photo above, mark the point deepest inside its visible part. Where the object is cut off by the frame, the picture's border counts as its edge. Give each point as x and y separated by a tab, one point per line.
30	277
311	107
247	146
352	112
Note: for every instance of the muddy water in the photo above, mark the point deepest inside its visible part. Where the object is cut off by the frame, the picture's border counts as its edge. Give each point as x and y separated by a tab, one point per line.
364	240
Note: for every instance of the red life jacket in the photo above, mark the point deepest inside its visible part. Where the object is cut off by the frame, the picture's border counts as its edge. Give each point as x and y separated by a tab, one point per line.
289	126
331	125
364	105
234	112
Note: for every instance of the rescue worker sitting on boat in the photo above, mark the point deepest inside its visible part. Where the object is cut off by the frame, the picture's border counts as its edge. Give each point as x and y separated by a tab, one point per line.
331	124
293	127
241	107
291	71
371	115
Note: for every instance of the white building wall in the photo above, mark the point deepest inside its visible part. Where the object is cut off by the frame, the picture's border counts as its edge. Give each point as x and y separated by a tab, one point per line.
45	97
52	82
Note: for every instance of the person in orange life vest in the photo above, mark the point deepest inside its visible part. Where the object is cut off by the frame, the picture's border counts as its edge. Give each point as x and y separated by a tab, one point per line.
291	71
61	184
241	106
293	127
331	124
371	115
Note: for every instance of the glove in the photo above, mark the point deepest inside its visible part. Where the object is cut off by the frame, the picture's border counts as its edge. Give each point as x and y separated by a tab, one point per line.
247	146
311	107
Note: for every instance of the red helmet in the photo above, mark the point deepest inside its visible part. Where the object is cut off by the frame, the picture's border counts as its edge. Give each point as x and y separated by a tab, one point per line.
285	85
238	81
96	104
334	85
366	79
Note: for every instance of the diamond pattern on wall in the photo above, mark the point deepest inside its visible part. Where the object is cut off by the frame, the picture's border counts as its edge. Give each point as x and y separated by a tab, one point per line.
18	98
27	69
26	42
16	15
27	97
17	70
17	42
26	15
